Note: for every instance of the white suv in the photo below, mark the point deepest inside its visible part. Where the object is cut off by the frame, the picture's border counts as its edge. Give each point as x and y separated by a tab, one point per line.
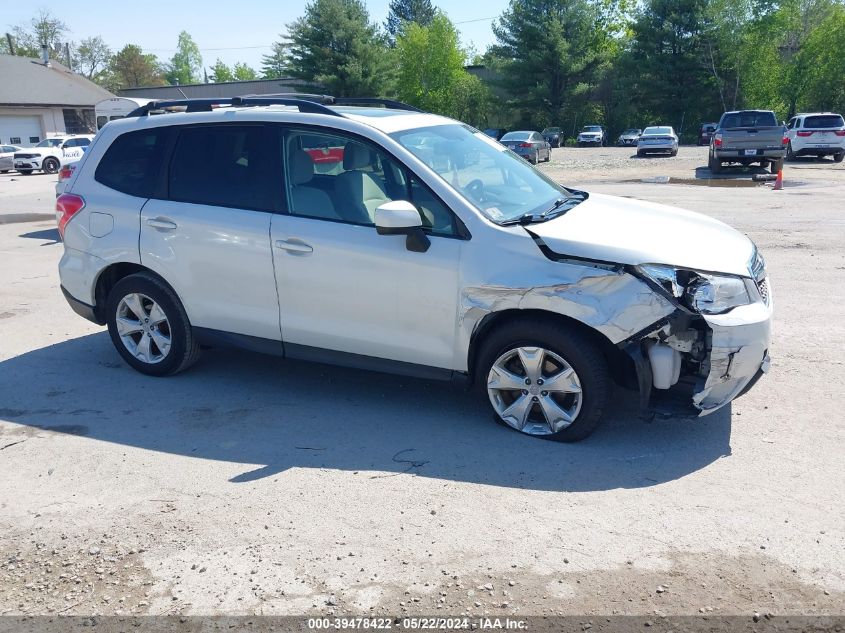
392	240
52	153
818	134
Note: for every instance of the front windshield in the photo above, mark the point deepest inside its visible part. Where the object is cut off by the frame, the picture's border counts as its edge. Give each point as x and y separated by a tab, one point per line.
592	128
496	181
50	142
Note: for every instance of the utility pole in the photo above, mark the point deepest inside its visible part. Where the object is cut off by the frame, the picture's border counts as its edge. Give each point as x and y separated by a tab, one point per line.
67	57
11	43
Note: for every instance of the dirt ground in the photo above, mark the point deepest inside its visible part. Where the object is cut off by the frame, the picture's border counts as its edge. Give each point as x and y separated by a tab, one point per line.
253	485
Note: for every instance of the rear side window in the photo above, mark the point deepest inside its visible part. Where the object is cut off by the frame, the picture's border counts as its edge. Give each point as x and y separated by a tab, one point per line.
824	121
225	166
132	162
749	119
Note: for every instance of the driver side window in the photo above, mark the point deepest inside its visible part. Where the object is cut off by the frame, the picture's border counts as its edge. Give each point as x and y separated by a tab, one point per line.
344	179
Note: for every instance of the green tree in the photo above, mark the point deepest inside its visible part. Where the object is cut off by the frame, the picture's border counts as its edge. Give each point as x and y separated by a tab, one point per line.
275	64
130	67
243	72
431	71
550	54
220	72
824	89
335	47
43	28
402	12
186	63
92	57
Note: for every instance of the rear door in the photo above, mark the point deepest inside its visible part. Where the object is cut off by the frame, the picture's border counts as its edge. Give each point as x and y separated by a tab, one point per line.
208	233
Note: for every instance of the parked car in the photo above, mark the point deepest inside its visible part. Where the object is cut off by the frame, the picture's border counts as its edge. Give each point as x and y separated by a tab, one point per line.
746	137
51	153
629	137
495	132
816	134
592	135
659	138
705	133
212	228
7	157
530	145
553	136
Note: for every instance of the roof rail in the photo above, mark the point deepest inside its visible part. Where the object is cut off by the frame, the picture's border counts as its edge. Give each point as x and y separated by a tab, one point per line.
206	105
330	100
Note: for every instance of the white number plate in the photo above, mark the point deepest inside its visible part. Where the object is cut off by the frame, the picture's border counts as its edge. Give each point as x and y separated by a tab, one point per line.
751	152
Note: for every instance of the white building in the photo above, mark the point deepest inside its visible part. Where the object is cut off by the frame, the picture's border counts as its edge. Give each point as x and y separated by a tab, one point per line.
39	100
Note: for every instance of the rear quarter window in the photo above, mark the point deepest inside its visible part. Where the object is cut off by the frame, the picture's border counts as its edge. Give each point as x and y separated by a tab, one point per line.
824	121
131	164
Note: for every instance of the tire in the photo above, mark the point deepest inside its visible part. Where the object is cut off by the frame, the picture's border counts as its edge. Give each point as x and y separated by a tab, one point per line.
714	165
4	171
25	172
183	351
674	153
837	158
551	342
790	155
640	154
50	166
536	158
776	165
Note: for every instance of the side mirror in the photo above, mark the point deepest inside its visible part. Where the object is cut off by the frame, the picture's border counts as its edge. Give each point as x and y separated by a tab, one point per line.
400	217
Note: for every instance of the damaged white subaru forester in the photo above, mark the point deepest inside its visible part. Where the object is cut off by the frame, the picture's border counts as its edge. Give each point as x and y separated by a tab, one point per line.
368	234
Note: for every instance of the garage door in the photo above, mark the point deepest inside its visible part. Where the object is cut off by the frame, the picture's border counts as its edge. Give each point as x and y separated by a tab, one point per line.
20	130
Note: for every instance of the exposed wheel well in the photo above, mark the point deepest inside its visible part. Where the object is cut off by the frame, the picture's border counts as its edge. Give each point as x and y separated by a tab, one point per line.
620	364
106	281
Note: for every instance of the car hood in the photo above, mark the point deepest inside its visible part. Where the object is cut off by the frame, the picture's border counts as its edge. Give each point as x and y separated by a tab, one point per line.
625	231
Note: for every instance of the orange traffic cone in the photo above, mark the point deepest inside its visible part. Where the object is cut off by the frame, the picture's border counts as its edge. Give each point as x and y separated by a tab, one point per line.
778	181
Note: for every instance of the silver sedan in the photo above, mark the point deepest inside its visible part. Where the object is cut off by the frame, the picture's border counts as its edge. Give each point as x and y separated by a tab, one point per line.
661	138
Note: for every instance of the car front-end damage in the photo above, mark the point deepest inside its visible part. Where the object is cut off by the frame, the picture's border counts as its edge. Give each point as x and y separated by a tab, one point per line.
681	340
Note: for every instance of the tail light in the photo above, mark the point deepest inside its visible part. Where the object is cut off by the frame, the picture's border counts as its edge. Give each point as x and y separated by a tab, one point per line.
717	140
839	132
785	140
805	134
65	173
67	206
525	144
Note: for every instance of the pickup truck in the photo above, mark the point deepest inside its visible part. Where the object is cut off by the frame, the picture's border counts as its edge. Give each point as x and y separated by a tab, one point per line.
748	136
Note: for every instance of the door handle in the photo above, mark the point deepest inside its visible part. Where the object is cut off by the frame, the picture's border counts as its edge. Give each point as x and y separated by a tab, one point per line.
161	223
294	247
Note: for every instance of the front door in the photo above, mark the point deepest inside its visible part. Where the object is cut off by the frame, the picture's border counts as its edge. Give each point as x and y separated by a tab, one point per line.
343	287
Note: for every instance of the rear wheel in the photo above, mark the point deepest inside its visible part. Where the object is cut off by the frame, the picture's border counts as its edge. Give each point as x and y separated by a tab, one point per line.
837	158
543	379
775	166
790	155
50	166
714	164
149	327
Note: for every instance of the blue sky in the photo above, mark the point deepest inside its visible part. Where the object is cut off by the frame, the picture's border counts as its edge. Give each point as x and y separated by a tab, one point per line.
244	29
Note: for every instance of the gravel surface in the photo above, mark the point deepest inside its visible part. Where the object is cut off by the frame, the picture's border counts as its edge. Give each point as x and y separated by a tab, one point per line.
252	485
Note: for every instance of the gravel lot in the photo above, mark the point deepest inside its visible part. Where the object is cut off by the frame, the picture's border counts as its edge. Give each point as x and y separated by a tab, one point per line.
252	485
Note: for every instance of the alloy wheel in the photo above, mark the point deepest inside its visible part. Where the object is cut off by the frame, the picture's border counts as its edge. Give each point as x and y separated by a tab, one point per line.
143	328
534	390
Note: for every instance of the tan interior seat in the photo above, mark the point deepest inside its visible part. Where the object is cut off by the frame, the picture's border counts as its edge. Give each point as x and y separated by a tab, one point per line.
358	191
308	201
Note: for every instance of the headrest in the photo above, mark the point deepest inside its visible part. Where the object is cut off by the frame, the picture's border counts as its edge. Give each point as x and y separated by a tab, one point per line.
356	156
301	167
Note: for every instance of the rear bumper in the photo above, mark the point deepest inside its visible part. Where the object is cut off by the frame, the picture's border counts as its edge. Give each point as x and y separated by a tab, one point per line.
817	150
657	147
740	154
81	308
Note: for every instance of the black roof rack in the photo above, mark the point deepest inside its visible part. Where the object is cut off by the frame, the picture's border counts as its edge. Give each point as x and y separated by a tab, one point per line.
340	101
206	105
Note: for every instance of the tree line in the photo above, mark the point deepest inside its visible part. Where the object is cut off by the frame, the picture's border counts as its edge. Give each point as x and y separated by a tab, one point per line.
620	63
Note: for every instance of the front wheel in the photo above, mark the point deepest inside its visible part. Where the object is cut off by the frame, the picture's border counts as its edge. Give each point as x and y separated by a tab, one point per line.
544	379
50	166
775	166
149	327
837	158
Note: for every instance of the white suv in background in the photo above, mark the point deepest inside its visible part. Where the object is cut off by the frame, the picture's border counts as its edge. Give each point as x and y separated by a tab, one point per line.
817	134
52	153
392	240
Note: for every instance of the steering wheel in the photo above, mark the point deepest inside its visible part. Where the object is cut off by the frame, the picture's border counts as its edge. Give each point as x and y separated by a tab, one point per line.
475	188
